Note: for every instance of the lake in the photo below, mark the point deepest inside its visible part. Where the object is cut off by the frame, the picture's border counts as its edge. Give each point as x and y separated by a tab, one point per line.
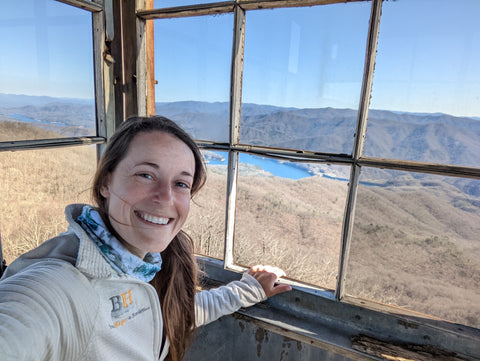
275	167
25	119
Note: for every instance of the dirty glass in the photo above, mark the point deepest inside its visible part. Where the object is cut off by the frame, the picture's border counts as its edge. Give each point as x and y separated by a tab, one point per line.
34	190
425	96
206	220
302	76
290	215
192	67
46	67
415	244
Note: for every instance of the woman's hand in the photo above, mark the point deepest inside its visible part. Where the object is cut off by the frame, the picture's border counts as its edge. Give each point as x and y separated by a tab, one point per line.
267	276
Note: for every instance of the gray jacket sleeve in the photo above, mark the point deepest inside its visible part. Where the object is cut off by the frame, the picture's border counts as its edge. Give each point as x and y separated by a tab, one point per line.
215	303
35	310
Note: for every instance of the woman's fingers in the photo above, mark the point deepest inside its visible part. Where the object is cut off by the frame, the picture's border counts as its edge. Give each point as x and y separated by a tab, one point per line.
267	276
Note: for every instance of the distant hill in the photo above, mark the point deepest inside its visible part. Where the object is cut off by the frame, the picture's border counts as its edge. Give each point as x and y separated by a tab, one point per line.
19	100
429	138
13	131
435	138
209	120
66	116
326	130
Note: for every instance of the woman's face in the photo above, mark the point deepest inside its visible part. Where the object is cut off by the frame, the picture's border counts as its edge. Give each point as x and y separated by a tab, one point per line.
148	194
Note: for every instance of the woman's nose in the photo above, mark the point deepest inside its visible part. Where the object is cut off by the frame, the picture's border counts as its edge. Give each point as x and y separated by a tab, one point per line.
163	192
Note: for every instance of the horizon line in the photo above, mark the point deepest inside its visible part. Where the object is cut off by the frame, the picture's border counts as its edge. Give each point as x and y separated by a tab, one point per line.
475	117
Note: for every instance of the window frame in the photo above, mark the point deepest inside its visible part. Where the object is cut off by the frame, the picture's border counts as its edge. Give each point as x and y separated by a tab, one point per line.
407	326
323	310
356	160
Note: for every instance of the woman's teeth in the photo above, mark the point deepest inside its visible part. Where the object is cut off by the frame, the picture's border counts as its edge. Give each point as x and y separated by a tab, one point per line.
153	219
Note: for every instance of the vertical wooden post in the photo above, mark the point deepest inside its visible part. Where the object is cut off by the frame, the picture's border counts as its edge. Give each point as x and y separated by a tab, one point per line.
144	55
124	53
150	34
103	75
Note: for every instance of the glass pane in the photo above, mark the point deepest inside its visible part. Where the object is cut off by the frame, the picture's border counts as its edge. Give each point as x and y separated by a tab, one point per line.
427	83
46	67
192	66
206	221
36	186
304	66
415	244
290	215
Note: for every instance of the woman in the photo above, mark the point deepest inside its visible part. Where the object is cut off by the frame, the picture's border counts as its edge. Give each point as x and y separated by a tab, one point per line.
120	283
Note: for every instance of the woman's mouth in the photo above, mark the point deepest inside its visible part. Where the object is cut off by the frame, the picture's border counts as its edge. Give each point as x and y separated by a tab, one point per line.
152	219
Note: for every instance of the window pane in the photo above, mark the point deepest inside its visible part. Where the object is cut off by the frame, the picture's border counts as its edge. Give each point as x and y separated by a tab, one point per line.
35	188
206	221
427	77
415	244
307	66
46	67
291	221
192	66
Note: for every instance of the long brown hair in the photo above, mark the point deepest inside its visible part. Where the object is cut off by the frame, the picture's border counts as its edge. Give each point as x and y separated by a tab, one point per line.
176	282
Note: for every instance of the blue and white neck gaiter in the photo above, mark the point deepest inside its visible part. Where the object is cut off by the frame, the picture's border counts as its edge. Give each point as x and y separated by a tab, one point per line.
115	252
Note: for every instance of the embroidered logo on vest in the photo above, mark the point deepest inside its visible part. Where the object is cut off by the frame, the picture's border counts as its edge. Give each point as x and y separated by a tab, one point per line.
121	302
123	309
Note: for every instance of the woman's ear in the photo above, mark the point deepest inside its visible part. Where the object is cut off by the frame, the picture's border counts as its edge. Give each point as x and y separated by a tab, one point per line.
105	188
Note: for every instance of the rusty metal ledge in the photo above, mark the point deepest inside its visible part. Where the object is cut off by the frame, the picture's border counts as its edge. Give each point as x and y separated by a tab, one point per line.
314	317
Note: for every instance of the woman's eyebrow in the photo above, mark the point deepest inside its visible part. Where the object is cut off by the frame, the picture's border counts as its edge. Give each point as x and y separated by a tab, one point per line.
156	166
188	174
151	164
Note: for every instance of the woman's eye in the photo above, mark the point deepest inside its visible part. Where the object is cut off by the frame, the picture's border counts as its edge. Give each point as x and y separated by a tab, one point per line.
145	175
183	185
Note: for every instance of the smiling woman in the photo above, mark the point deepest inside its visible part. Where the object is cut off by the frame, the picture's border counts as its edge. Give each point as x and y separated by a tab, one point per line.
376	99
148	199
127	262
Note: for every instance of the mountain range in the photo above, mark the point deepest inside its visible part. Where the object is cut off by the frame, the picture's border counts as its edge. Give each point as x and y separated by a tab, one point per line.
436	138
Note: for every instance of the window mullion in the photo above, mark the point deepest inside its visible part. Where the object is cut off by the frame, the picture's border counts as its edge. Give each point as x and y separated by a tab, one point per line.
358	145
235	116
103	75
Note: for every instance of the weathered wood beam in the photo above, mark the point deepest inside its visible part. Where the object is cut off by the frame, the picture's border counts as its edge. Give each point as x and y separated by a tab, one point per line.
403	352
384	163
103	77
270	4
228	6
125	55
185	11
84	4
421	167
49	143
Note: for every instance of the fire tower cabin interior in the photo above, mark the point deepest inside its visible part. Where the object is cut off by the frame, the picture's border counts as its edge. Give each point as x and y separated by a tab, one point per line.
342	142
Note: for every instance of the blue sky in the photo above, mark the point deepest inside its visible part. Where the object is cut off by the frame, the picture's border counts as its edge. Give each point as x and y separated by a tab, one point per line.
301	57
46	49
